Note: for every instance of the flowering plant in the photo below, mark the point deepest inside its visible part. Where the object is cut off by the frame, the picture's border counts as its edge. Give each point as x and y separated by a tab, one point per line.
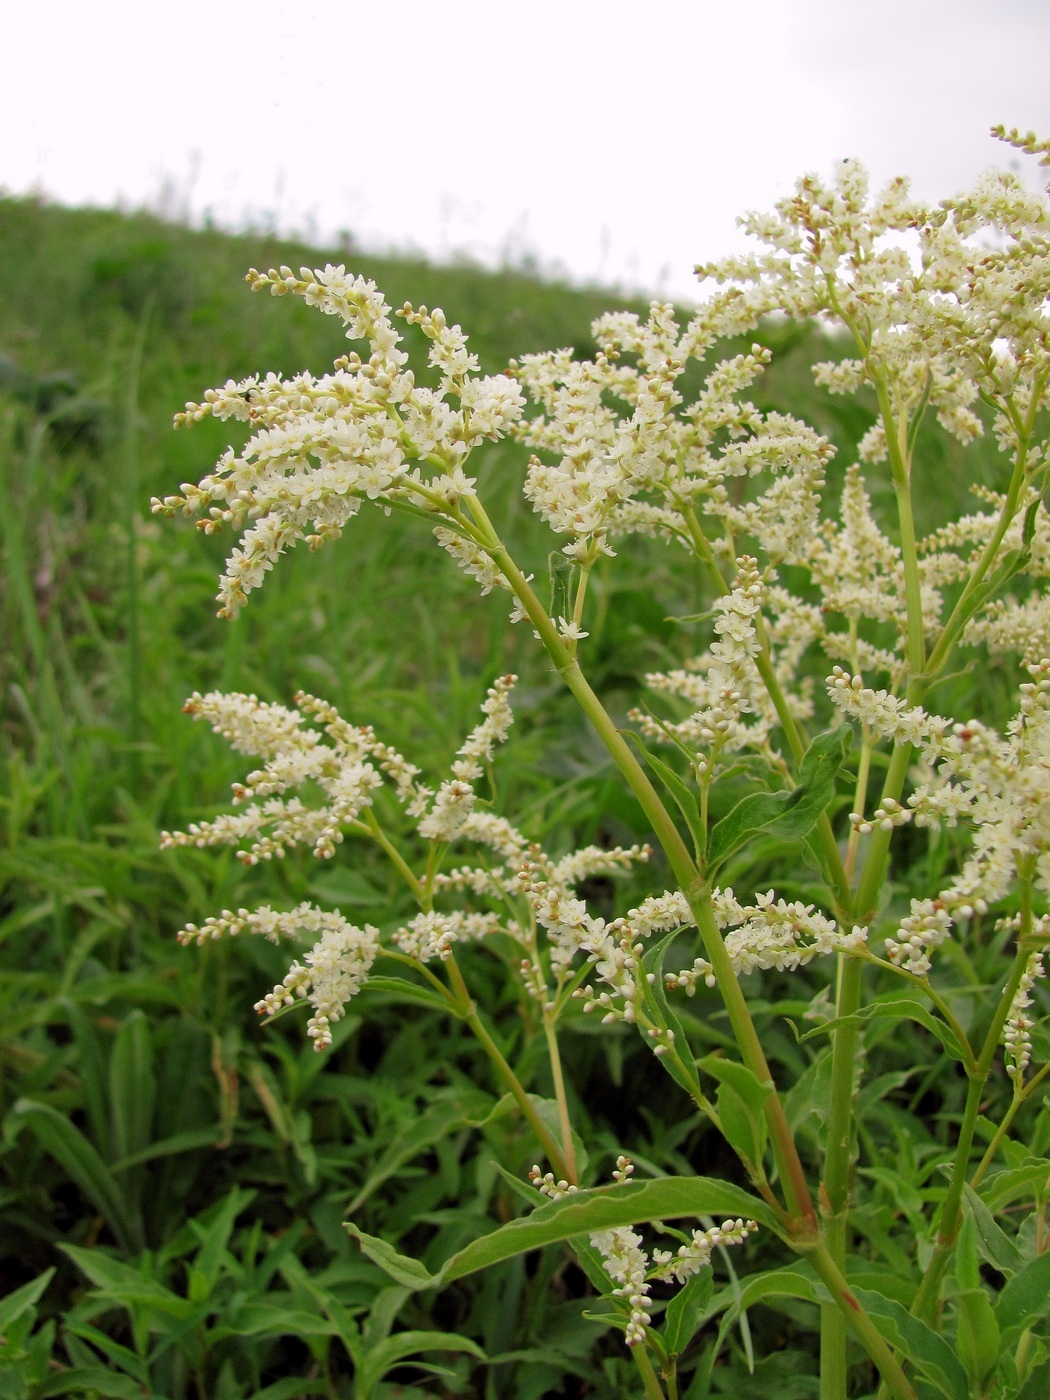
944	308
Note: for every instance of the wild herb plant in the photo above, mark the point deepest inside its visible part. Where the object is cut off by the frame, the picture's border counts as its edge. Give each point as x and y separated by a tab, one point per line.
805	726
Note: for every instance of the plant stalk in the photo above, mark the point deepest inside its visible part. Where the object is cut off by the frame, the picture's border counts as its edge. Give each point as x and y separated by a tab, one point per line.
469	1013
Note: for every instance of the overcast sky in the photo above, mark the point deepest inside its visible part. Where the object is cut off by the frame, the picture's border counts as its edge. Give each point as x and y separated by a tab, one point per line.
615	141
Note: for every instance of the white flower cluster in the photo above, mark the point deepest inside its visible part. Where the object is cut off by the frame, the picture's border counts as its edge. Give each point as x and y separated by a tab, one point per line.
626	1263
550	889
924	929
1017	1033
329	974
632	456
771	933
365	432
432	935
696	1255
294	755
347	763
347	770
858	570
732	671
886	715
967	317
731	707
1000	785
546	1185
477	748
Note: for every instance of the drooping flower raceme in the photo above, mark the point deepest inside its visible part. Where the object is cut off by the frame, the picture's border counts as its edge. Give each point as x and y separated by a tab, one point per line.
321	447
632	456
347	764
1001	785
1017	1033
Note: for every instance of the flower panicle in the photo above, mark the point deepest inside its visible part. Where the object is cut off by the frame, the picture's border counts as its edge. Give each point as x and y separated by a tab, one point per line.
321	447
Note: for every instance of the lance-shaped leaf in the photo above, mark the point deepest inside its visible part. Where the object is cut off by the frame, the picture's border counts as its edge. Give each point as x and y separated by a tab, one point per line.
680	1063
927	1352
785	816
900	1008
680	791
604	1208
65	1142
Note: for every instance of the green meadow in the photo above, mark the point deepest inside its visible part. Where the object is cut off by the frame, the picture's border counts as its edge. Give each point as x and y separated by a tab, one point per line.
174	1175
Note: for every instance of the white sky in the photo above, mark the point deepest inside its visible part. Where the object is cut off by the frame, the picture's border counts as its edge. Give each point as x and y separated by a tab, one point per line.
615	140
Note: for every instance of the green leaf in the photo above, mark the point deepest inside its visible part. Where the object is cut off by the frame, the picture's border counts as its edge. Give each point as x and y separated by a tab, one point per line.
119	1355
775	1283
996	1247
967	1265
215	1234
561	576
1026	1297
400	1267
453	1109
743	1081
122	1283
1037	1384
1029	1179
405	990
899	1009
591	1262
978	1337
396	1349
132	1086
741	1102
680	1066
266	1319
91	1380
91	1068
785	816
189	1141
928	1352
547	1112
686	1311
1013	562
71	1149
15	1304
603	1208
680	791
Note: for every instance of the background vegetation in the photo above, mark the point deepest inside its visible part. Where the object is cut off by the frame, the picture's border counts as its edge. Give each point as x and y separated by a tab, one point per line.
173	1177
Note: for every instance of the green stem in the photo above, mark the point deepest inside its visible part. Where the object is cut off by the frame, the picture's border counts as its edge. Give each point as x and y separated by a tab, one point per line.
831	860
1016	1104
838	1161
469	1012
689	879
404	870
653	1389
568	1147
838	1173
900	464
927	1297
860	797
957	619
868	1334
